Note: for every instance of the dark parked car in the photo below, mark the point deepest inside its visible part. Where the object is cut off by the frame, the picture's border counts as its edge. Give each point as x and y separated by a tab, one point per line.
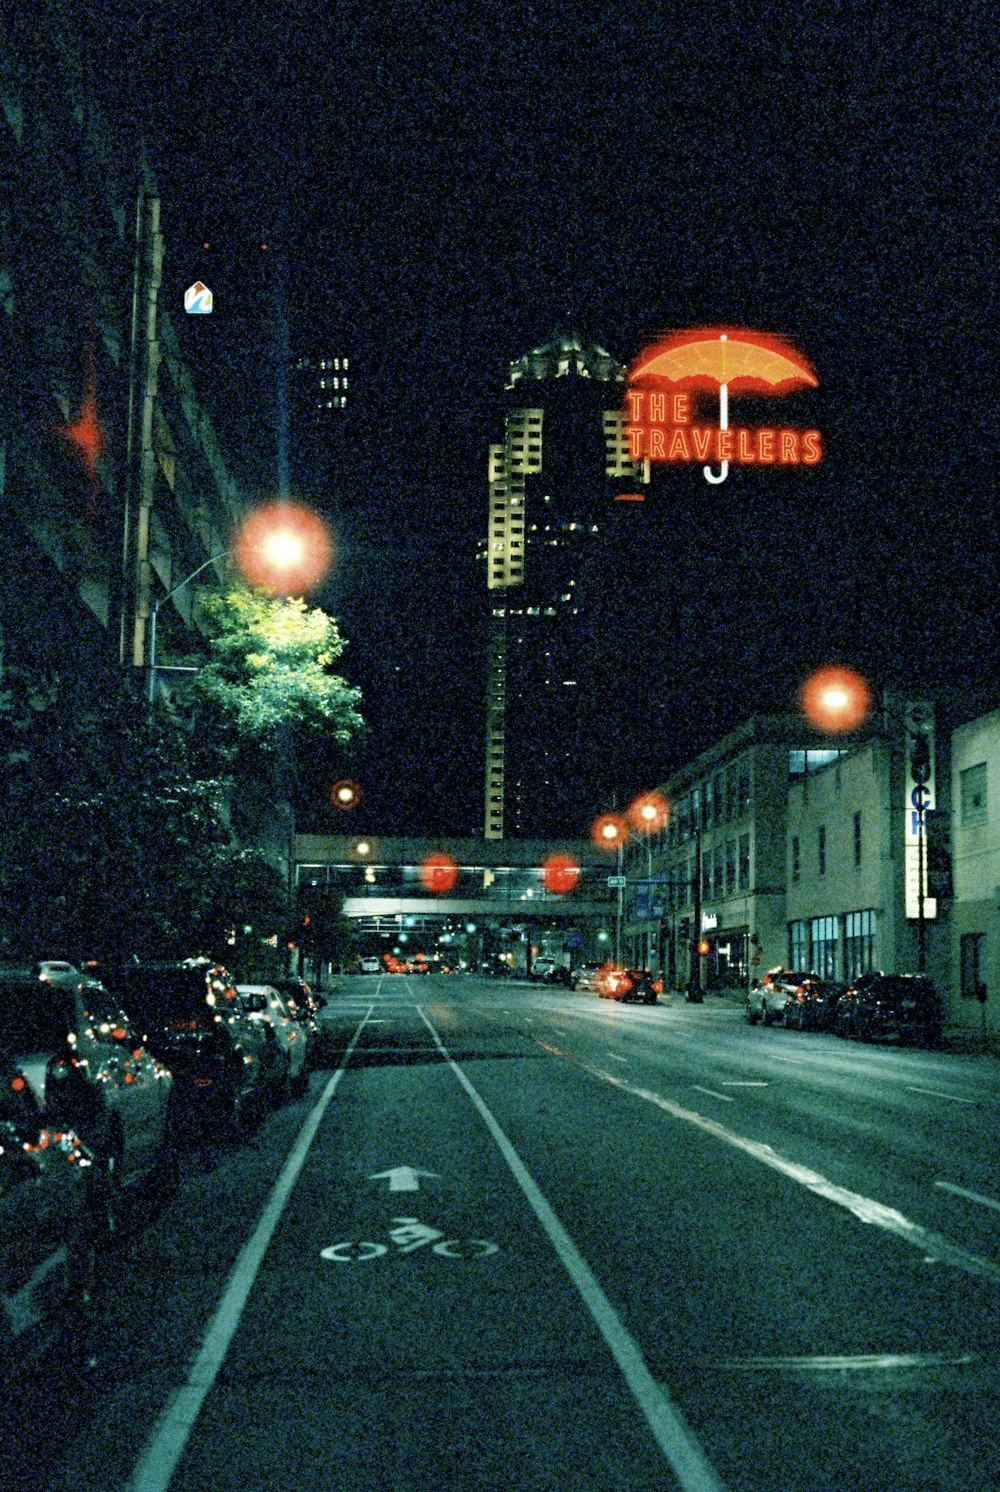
47	1229
812	1005
905	1006
226	1069
90	1071
305	1004
767	997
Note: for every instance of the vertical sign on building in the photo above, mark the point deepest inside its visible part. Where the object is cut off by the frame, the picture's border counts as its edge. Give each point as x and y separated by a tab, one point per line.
920	801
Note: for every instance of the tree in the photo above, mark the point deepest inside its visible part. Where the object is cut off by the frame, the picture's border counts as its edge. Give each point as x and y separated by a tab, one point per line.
271	675
112	843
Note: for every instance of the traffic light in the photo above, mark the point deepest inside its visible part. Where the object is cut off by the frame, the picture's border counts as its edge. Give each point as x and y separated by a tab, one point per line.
704	947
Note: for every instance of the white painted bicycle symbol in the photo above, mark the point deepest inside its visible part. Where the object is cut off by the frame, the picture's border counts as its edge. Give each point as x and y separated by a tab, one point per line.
408	1235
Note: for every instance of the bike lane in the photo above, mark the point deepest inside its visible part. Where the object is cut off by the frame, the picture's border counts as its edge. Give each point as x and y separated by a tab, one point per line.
413	1324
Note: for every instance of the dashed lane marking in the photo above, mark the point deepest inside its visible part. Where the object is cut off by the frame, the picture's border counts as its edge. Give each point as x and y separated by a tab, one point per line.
712	1093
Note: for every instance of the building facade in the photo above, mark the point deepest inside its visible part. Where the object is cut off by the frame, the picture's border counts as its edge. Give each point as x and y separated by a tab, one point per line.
715	875
553	527
975	849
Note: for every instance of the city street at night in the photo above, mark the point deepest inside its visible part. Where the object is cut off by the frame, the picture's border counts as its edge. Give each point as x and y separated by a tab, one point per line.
516	1237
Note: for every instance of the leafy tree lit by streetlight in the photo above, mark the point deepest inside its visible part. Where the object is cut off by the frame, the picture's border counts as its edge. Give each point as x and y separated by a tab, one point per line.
835	699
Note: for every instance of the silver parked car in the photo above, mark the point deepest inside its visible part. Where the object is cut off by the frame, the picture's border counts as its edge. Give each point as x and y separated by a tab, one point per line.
767	997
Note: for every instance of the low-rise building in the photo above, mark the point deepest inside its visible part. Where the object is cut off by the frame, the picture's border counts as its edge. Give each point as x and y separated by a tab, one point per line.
975	848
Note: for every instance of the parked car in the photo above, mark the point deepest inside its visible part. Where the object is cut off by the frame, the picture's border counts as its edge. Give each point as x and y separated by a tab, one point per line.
877	1005
90	1071
262	1002
304	1004
225	1069
371	966
812	1005
47	1231
586	976
629	986
767	997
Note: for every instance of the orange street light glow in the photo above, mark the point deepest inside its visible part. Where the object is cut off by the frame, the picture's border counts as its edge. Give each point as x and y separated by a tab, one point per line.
649	813
345	794
438	873
609	831
835	699
284	547
560	874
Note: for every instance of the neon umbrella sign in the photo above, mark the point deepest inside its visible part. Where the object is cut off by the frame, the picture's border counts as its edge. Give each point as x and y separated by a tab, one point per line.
661	383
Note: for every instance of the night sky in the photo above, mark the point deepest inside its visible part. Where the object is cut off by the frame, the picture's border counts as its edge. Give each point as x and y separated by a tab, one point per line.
452	183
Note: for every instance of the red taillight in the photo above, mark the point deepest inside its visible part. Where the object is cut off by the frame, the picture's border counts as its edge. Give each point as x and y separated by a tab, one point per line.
203	1082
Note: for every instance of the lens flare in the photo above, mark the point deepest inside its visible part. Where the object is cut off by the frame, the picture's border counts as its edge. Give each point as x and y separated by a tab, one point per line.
283	547
560	874
609	831
438	873
345	794
649	813
835	699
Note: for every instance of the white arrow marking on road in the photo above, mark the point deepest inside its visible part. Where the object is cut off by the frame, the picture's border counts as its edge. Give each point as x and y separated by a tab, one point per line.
402	1178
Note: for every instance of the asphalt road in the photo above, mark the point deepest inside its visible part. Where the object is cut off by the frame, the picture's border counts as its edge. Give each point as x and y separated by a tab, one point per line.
526	1239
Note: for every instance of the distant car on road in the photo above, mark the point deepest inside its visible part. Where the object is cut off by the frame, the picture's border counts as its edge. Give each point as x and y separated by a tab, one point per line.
371	966
542	967
877	1005
586	976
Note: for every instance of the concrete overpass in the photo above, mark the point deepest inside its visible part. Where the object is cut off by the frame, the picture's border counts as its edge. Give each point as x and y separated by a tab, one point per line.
483	900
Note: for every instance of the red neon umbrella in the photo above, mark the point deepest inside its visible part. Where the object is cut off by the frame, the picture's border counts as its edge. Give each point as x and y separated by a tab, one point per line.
753	361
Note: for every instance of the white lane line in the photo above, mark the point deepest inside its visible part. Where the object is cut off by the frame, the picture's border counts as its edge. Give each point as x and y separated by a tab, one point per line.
936	1093
615	1057
869	1211
744	1083
712	1093
672	1433
169	1436
862	1362
960	1191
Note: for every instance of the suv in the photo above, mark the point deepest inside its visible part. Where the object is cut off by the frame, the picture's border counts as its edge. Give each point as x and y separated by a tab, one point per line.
901	1005
90	1072
225	1067
47	1233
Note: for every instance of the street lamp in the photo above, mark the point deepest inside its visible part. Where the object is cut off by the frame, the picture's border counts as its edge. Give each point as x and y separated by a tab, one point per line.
649	813
154	614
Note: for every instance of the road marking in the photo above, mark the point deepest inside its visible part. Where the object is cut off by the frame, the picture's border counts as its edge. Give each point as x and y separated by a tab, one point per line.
712	1093
165	1444
960	1191
936	1093
932	1245
744	1083
378	1021
402	1178
672	1433
615	1057
863	1362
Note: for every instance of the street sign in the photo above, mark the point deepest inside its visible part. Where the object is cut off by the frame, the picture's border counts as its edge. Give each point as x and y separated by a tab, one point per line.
619	881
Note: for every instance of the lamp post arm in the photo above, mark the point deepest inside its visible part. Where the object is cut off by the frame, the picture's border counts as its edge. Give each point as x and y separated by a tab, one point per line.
156	611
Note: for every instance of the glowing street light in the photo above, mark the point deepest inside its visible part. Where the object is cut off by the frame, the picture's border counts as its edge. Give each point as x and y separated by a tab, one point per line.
835	699
284	547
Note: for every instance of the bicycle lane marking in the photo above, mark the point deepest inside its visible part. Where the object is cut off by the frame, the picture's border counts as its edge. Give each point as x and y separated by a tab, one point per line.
165	1445
673	1435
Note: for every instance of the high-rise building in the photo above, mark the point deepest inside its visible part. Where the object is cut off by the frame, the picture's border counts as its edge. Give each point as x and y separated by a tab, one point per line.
553	532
